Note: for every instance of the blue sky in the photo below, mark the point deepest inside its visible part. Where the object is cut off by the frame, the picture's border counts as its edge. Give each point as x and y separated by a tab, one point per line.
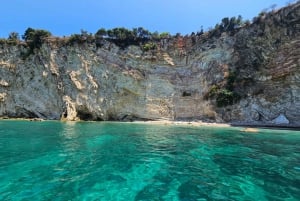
64	17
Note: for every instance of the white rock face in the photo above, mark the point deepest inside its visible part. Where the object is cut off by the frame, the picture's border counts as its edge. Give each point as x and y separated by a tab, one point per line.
3	83
70	113
3	97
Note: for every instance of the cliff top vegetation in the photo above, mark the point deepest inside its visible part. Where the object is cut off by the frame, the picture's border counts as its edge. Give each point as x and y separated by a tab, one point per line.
32	38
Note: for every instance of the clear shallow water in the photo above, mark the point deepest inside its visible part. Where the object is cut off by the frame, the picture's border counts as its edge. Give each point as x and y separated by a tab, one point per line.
115	161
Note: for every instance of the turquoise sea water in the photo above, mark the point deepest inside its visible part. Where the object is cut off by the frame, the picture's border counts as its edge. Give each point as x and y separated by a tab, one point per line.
119	161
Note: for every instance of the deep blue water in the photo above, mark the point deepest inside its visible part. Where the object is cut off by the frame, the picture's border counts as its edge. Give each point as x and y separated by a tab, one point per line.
121	161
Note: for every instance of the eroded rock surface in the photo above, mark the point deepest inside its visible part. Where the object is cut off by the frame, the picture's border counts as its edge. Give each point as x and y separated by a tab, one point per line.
259	62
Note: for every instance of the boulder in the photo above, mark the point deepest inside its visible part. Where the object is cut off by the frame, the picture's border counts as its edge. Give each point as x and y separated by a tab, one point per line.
281	119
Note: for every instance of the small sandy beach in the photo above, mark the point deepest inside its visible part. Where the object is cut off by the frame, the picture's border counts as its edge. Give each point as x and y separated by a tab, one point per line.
190	123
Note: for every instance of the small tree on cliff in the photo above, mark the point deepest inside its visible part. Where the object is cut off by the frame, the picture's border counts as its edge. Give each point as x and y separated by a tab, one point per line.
101	33
99	36
13	38
35	38
28	35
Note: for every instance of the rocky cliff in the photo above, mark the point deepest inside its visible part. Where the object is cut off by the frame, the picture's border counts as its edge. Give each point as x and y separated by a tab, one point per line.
249	75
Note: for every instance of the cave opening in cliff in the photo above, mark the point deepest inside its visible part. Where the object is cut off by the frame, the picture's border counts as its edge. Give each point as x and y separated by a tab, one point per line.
186	93
83	115
65	114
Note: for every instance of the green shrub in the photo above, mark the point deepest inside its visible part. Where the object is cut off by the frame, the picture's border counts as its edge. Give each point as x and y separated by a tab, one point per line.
101	33
213	91
3	41
13	38
223	96
231	80
149	46
124	37
35	38
75	38
164	35
81	38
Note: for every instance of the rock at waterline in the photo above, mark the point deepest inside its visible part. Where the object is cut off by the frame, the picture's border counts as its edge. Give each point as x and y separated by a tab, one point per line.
281	119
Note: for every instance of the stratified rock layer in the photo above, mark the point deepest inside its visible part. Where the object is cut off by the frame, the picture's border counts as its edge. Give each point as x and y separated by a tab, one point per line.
82	81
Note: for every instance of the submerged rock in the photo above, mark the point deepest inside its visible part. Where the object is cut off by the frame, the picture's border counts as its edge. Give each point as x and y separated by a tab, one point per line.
250	130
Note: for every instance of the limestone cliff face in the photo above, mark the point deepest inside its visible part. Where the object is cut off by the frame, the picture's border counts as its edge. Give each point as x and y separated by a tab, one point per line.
259	62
